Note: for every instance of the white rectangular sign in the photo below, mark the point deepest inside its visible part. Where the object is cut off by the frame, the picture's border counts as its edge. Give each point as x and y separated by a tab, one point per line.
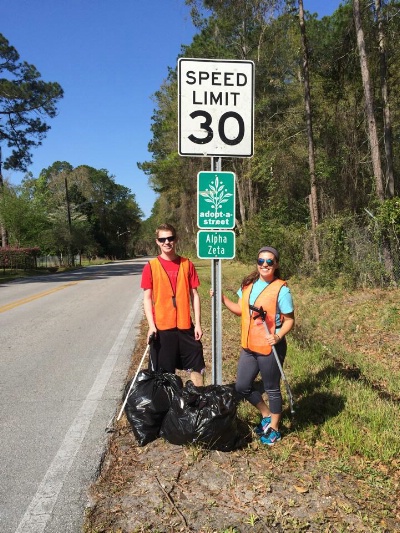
216	107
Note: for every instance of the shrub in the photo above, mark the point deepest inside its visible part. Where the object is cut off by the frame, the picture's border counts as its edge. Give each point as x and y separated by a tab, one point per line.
18	258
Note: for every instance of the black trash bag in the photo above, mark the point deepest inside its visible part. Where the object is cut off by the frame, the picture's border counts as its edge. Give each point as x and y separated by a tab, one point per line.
203	415
149	401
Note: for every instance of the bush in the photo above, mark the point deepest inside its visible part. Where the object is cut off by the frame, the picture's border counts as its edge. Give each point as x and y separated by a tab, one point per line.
352	253
18	258
288	240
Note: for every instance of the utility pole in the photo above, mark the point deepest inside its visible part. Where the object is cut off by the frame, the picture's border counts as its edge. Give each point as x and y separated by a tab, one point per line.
71	259
3	231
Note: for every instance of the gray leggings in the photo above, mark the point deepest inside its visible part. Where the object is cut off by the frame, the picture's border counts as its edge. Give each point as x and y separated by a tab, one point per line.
250	364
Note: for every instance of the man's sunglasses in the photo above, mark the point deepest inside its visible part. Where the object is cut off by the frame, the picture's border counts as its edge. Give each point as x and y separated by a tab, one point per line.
270	262
171	238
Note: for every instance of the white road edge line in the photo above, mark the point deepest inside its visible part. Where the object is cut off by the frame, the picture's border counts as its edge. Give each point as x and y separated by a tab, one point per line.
40	509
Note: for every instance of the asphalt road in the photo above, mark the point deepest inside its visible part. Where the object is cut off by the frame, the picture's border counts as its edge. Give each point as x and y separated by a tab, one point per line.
65	347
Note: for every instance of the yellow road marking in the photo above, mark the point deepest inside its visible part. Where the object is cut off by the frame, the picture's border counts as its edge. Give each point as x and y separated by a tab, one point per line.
17	303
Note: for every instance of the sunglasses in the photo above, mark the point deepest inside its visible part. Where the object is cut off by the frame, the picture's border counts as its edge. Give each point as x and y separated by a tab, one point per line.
171	238
270	262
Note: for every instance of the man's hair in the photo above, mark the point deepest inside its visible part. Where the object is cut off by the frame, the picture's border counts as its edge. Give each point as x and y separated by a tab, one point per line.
166	227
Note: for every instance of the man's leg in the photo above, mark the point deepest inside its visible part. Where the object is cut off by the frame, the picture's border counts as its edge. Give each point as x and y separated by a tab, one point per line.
197	378
191	355
164	351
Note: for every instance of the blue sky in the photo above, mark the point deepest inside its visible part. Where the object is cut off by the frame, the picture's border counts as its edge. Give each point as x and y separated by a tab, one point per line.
110	57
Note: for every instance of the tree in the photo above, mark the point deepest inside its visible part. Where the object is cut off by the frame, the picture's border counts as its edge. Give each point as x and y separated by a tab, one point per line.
239	29
387	121
273	187
3	231
111	210
23	219
24	100
171	176
369	103
313	198
372	129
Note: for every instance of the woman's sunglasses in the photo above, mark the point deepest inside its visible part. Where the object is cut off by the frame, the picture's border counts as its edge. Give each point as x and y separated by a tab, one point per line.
171	238
270	262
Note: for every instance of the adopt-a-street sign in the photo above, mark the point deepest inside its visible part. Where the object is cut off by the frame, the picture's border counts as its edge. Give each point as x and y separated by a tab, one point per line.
216	200
219	244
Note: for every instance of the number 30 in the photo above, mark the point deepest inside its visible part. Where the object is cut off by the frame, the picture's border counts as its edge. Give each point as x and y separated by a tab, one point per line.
206	126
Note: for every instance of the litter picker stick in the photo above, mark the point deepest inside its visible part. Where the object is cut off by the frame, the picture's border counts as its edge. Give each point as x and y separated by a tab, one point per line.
262	314
151	338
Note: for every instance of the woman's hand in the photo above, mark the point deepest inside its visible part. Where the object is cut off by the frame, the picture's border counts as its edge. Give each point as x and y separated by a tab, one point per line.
222	295
272	339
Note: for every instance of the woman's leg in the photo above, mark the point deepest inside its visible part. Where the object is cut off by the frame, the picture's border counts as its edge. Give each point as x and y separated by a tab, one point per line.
271	377
246	374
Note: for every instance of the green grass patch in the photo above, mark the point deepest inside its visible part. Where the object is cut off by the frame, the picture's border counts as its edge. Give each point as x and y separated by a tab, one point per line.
337	409
342	366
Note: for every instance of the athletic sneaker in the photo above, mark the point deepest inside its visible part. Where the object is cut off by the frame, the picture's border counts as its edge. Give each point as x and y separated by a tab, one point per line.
270	437
263	426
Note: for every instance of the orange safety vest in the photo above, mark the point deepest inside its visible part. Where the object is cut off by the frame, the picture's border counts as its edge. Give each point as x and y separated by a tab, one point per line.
169	311
254	331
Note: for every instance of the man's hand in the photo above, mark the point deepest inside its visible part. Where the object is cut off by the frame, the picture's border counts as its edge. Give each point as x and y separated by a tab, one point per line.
198	332
151	335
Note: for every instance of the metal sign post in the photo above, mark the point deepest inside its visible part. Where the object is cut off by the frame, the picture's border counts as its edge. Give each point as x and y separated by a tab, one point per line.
216	119
216	309
216	199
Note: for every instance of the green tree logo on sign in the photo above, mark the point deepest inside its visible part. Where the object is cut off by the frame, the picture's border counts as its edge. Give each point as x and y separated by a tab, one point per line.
217	194
216	200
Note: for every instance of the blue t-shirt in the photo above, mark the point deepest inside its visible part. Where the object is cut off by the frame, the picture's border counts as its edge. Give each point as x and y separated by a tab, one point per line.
284	304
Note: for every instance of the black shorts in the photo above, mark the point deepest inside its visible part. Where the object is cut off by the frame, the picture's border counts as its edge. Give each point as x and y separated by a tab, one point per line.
176	349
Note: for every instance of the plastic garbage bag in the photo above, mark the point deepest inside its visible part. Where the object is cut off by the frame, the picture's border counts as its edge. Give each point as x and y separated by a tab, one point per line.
149	401
203	415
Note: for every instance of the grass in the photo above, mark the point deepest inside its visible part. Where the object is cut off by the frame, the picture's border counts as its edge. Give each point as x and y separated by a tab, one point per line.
343	361
342	366
337	466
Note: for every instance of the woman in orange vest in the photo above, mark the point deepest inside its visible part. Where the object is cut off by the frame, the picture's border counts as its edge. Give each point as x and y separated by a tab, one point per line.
170	290
263	288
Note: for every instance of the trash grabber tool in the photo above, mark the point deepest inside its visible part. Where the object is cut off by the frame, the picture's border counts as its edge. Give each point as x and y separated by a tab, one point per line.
262	314
151	338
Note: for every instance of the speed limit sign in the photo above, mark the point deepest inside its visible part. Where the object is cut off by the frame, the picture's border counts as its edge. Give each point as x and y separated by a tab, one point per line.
216	107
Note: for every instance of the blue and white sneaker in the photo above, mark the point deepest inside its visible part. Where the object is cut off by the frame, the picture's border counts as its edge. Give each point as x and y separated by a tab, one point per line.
263	426
271	436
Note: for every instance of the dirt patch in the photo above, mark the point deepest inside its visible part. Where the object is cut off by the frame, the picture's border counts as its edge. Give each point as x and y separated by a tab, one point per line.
165	488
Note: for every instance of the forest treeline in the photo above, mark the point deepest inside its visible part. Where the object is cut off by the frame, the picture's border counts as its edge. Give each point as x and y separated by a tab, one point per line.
323	184
313	188
68	211
64	211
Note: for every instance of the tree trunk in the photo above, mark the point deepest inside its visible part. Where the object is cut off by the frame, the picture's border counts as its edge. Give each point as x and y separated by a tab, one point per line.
3	231
369	103
311	151
71	260
240	198
387	122
372	130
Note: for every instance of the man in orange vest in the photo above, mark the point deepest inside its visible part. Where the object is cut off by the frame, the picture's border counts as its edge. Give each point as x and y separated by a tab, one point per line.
170	291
